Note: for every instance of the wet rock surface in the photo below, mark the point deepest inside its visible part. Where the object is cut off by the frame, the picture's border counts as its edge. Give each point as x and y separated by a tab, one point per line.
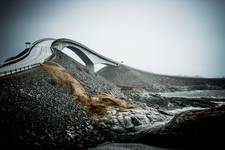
194	129
126	146
131	120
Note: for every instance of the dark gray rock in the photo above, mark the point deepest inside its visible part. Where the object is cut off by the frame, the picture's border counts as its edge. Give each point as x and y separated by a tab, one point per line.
35	113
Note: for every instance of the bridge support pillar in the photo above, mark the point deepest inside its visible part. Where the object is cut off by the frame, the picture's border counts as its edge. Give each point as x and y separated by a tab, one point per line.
90	68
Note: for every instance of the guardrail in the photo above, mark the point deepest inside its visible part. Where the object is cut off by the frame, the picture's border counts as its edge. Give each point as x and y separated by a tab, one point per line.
17	70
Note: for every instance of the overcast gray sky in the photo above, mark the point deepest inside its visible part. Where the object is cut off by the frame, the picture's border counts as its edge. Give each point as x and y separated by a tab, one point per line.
176	37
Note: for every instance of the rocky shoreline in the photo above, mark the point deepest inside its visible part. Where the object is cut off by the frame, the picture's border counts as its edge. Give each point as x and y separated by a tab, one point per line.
60	105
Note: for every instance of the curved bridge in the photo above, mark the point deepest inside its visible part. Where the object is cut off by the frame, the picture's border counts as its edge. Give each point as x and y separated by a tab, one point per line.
89	56
42	49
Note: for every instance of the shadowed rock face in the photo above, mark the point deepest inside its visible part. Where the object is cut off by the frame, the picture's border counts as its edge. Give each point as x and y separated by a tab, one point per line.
190	129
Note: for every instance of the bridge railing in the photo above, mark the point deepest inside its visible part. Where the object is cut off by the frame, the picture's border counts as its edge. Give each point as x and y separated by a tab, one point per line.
17	70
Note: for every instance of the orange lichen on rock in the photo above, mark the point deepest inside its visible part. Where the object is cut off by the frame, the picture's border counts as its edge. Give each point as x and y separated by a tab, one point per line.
96	105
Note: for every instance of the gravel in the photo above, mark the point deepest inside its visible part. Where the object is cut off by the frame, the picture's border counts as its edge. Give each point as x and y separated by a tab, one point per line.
38	114
93	83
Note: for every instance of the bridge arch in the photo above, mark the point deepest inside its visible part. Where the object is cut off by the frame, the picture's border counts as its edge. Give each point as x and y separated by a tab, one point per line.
89	56
89	64
73	55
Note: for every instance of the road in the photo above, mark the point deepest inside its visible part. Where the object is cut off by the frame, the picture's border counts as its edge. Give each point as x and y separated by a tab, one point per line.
38	54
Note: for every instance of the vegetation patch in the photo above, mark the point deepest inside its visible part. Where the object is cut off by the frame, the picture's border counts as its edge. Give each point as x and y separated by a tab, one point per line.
96	105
